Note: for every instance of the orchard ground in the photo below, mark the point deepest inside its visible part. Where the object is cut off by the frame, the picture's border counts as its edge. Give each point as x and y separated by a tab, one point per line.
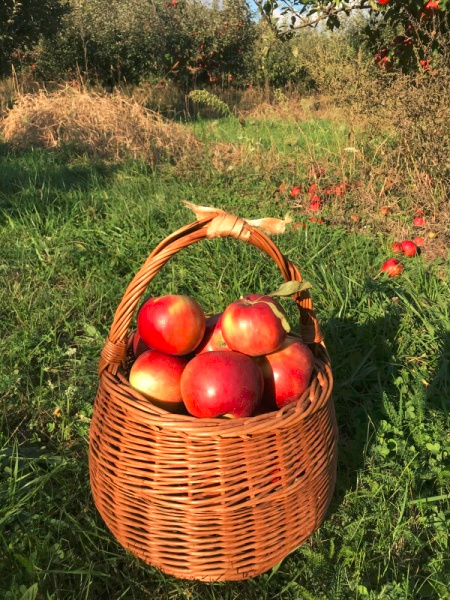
73	232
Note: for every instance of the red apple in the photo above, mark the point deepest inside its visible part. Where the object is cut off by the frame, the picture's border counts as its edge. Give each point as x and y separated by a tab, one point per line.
213	338
298	224
409	248
295	191
392	267
316	203
340	189
419	241
313	189
138	345
157	376
221	383
254	325
397	247
385	210
287	373
172	324
383	1
419	222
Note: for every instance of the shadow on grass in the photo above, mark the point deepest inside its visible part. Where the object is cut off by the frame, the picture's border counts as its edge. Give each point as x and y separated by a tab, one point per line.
363	363
438	392
37	180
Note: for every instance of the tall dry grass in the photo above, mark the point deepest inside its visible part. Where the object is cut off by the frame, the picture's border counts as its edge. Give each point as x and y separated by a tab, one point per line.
113	127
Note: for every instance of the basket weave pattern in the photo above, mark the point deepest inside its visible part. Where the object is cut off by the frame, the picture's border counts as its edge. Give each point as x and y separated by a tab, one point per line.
210	499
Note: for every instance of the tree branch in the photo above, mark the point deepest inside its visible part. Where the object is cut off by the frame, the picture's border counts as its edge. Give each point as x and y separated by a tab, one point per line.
326	13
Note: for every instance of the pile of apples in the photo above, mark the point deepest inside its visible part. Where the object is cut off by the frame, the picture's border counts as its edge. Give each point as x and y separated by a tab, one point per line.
238	363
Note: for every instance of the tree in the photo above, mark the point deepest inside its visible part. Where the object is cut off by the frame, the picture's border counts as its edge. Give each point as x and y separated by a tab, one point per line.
23	22
400	31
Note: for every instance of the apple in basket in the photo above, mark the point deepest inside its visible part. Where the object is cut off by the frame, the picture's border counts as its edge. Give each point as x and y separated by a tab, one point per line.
138	345
157	376
254	325
287	373
213	338
221	383
172	324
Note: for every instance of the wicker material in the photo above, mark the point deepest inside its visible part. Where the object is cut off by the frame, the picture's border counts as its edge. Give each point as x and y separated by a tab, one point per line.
210	499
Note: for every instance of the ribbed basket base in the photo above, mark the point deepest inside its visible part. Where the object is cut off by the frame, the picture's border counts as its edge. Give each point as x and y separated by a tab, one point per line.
208	507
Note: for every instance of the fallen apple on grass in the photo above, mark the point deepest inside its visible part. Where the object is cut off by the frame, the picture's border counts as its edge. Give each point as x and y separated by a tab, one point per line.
313	189
295	191
172	324
254	325
392	267
409	248
397	247
316	203
419	222
219	383
157	376
419	241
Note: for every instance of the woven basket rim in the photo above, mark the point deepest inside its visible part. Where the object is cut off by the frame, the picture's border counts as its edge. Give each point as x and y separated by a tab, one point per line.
312	400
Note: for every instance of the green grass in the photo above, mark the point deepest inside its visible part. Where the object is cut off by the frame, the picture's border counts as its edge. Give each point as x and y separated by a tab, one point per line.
72	235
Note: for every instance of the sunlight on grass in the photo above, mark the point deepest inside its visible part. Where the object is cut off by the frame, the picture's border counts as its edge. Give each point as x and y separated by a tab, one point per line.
73	233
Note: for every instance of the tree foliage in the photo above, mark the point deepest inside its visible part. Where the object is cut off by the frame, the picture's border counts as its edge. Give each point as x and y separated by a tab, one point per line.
414	30
127	40
23	22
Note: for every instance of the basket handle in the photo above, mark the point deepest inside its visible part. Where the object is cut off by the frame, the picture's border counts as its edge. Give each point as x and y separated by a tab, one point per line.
215	225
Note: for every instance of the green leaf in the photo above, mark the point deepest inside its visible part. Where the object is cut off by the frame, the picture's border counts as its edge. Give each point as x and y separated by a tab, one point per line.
291	287
281	316
433	448
31	593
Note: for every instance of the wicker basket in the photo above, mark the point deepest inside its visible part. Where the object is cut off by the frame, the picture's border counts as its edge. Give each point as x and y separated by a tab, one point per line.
210	499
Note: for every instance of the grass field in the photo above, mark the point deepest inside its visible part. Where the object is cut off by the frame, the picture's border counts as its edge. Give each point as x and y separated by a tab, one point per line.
73	232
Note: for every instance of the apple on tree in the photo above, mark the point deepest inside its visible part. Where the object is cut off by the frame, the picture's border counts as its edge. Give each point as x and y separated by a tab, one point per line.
157	376
220	383
172	324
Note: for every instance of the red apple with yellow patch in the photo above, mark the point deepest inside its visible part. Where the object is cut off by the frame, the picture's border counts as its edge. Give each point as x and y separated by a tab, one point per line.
254	325
172	324
213	338
220	383
157	376
287	373
392	267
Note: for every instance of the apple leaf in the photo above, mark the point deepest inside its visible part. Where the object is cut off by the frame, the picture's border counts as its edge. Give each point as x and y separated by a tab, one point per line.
291	287
281	316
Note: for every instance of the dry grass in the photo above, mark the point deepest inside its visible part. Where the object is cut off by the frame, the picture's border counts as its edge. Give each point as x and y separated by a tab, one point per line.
111	127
